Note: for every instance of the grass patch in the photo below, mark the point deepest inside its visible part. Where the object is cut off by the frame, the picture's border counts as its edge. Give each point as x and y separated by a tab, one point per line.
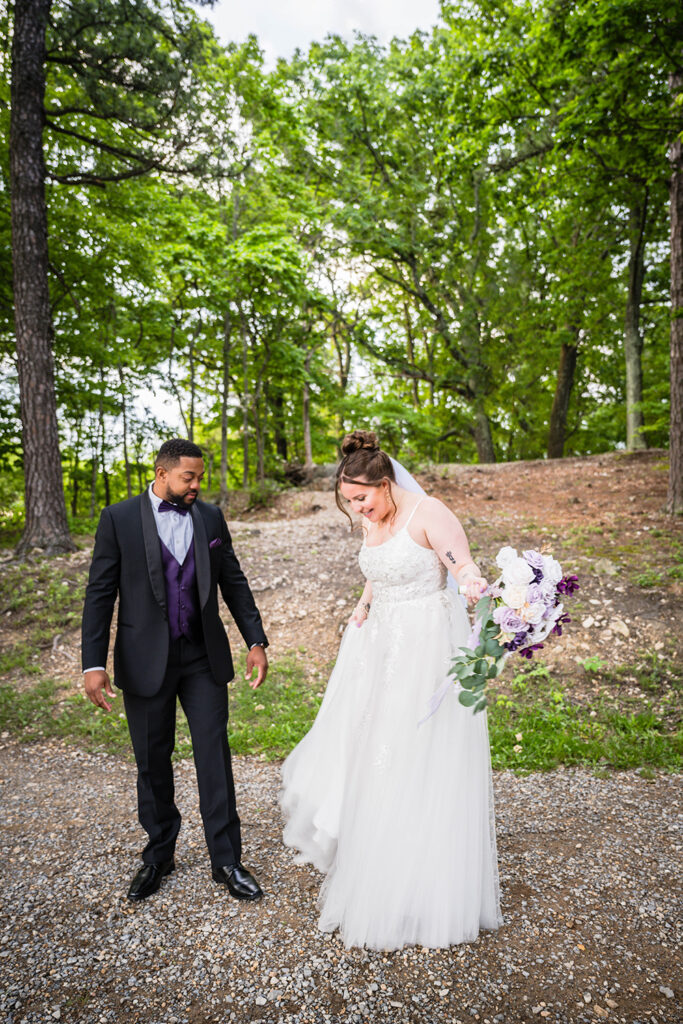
654	672
653	578
538	728
42	598
268	722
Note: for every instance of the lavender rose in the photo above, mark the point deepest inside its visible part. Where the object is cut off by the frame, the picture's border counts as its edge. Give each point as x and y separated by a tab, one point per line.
508	620
534	558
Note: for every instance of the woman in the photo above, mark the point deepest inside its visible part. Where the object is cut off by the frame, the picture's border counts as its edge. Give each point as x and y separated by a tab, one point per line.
398	817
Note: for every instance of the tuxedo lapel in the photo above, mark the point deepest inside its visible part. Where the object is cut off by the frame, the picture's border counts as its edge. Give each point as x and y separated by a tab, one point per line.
152	549
201	557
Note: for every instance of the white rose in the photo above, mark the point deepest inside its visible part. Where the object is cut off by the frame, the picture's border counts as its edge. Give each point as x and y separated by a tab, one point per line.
504	556
552	569
544	629
533	613
514	597
517	573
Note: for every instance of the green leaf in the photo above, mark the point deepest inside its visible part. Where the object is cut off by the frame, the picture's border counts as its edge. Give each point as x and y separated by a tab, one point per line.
467	699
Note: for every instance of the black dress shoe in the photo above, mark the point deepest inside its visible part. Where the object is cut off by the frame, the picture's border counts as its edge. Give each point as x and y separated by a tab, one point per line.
240	882
148	879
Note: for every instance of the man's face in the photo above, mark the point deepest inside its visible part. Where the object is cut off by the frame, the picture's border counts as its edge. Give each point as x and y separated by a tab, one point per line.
181	483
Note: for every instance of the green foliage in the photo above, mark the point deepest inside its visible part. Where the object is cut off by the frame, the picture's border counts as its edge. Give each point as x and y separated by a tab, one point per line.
406	237
540	727
268	722
537	728
263	493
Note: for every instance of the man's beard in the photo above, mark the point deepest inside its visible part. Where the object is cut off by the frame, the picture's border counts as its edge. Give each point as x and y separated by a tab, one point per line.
180	499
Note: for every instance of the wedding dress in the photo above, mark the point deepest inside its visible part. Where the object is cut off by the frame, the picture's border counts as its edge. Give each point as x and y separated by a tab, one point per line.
398	817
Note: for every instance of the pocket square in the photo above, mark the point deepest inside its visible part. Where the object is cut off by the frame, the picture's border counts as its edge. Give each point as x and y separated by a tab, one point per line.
215	543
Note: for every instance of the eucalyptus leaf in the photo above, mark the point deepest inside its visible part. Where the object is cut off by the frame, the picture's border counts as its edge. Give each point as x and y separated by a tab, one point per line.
467	698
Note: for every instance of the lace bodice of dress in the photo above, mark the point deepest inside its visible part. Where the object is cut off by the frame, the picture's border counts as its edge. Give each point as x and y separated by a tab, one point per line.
400	569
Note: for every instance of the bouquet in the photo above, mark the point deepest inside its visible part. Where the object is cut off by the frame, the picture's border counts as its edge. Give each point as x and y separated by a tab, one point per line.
516	614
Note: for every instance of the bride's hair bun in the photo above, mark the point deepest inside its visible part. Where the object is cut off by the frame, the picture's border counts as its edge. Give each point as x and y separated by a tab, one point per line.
360	440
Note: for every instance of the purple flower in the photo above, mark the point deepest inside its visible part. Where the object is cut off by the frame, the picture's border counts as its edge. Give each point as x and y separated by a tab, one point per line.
534	558
528	652
517	641
507	619
563	620
534	593
549	590
568	585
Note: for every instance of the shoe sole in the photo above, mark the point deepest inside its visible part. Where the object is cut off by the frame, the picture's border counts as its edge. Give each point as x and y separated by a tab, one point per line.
139	899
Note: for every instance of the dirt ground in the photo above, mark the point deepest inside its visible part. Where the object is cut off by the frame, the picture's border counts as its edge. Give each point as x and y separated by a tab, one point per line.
590	867
603	517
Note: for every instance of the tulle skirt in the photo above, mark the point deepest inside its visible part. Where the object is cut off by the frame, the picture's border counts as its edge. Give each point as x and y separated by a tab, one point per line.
398	817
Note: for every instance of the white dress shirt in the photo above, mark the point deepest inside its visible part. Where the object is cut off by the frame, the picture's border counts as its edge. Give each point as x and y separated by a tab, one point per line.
175	530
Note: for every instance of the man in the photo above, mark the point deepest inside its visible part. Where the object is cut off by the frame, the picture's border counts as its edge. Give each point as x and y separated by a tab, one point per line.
165	554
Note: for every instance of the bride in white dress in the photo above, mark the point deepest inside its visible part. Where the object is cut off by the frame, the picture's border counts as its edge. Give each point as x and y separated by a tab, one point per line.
398	817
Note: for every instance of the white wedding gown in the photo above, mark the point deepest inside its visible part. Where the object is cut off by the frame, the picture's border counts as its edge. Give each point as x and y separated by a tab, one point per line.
399	818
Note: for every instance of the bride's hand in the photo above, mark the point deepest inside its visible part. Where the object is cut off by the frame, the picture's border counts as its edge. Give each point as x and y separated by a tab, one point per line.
359	614
474	588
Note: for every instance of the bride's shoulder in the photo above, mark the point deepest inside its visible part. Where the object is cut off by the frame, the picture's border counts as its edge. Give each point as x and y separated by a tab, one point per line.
435	512
430	506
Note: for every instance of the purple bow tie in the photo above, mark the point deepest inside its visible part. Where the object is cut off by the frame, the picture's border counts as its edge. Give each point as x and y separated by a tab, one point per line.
166	506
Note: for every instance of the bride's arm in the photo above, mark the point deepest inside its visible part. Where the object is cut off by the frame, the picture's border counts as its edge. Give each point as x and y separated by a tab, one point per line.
360	612
445	534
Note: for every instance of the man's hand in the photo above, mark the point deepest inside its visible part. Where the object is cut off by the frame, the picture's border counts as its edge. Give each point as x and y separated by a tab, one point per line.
97	684
256	659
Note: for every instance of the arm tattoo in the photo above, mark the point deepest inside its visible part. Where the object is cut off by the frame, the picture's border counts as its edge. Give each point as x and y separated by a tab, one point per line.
449	556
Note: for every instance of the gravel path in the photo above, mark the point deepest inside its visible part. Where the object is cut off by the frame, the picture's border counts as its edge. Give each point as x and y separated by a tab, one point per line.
588	873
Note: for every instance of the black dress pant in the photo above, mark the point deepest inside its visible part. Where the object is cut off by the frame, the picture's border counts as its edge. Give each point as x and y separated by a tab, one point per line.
151	721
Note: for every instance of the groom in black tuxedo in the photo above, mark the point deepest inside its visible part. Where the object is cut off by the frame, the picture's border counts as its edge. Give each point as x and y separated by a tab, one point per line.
166	554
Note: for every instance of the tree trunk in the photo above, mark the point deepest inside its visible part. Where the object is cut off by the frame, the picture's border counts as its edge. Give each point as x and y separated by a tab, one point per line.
173	385
306	412
225	391
245	402
410	348
46	523
124	413
75	472
103	442
93	471
259	432
482	436
633	342
675	496
559	412
193	388
276	403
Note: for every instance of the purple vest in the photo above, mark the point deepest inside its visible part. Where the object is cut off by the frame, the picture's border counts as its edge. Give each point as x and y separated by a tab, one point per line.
182	596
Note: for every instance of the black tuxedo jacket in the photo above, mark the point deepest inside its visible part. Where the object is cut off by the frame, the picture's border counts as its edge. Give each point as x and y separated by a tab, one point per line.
127	562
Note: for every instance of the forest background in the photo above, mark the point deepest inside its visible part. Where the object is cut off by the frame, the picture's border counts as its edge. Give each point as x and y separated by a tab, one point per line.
463	239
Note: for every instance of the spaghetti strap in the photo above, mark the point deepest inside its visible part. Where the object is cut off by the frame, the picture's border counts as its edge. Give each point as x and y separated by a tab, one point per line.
415	507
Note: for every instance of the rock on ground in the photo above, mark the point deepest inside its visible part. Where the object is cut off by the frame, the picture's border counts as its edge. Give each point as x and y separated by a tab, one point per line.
589	875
